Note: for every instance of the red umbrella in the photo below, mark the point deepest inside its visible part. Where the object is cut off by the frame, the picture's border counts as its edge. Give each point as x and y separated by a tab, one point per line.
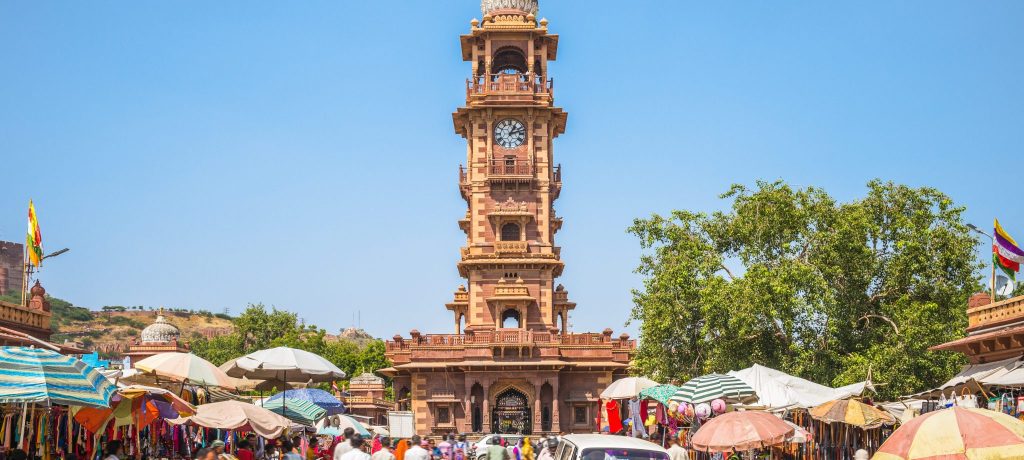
739	431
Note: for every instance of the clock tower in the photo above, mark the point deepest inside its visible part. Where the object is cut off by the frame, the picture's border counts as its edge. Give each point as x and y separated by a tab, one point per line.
512	365
510	181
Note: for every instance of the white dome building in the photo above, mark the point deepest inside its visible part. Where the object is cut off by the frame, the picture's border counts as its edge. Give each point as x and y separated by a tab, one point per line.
159	337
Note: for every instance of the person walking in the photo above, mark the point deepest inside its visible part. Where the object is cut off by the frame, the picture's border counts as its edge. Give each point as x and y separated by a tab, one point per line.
447	447
288	450
244	451
218	450
344	445
676	451
356	453
386	450
548	450
416	450
113	450
496	451
400	449
526	451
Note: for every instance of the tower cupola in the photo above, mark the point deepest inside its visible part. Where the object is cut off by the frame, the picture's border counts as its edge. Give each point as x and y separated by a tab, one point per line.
491	7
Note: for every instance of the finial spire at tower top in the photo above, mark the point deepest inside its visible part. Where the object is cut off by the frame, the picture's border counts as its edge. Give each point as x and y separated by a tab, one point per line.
497	6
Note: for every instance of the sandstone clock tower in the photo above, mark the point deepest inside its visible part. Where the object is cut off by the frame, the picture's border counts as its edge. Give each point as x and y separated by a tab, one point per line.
510	181
512	364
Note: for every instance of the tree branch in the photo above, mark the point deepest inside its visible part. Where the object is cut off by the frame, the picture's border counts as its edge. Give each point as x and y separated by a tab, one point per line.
728	272
867	318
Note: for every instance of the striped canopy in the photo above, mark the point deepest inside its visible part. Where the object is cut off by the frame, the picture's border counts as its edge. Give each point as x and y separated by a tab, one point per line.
298	410
33	375
852	412
956	433
314	395
710	387
661	393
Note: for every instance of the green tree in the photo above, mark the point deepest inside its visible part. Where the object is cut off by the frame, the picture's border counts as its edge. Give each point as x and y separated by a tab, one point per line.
792	279
257	329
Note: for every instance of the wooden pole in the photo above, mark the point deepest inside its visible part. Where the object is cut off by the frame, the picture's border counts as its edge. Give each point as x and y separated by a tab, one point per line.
24	276
993	267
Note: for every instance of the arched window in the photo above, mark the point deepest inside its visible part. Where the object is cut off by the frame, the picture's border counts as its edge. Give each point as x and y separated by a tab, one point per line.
509	60
510	319
510	232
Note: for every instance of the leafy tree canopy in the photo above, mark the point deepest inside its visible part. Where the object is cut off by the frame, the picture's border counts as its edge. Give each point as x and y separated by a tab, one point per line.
795	280
258	328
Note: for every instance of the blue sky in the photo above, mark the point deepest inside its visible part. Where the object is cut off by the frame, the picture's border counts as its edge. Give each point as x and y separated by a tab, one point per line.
301	154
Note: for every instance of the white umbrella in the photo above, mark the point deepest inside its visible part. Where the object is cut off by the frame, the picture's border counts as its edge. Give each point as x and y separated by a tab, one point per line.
285	364
627	388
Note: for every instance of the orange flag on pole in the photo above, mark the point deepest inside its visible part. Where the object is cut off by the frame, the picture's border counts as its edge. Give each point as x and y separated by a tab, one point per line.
34	240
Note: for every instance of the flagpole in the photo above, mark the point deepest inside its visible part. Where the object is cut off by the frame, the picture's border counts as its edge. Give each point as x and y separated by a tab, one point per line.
24	275
993	268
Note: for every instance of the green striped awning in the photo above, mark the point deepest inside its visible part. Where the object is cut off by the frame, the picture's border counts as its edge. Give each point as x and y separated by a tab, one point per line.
709	387
300	411
34	375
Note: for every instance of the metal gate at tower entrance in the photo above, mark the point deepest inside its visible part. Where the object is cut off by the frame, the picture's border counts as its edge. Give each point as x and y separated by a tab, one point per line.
511	413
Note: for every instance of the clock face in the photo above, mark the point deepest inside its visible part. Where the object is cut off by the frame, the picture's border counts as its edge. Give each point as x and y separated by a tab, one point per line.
509	133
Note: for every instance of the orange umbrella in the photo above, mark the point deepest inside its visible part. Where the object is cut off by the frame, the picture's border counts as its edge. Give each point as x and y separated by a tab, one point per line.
739	431
852	412
134	405
957	433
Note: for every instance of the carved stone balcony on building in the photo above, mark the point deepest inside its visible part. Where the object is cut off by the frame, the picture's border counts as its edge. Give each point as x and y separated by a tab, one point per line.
505	88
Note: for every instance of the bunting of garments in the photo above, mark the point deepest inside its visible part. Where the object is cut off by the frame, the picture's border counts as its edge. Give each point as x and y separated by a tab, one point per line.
612	413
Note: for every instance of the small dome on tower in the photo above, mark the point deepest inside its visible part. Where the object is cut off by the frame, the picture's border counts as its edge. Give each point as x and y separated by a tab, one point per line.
501	6
159	331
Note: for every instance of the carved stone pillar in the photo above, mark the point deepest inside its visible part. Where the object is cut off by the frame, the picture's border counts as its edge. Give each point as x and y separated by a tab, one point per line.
537	406
555	403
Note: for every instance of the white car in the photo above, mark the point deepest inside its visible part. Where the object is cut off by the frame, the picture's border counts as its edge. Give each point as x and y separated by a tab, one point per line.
607	447
478	450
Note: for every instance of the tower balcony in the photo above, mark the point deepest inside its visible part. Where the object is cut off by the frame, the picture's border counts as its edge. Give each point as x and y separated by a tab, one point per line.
509	88
511	169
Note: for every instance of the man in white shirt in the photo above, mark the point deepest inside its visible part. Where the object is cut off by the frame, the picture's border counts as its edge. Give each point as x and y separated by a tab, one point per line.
416	451
356	451
345	445
675	451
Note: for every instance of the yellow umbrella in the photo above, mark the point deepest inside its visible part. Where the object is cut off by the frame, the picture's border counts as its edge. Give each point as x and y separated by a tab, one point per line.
852	412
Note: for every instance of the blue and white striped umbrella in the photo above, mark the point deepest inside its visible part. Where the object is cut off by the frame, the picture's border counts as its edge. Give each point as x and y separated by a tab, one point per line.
33	375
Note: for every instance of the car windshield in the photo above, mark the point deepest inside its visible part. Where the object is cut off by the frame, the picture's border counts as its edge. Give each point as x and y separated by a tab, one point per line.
622	454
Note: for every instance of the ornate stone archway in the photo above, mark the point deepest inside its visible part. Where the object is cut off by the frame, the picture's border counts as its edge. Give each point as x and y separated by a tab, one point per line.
511	413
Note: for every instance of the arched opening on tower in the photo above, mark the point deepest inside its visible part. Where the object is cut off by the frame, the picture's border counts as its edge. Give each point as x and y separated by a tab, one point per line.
476	396
546	400
510	232
510	319
509	60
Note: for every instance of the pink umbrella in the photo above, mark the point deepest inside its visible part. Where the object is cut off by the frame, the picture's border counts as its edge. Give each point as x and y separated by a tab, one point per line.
739	431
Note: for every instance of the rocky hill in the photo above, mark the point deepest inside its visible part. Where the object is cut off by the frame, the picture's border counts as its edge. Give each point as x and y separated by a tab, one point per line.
111	331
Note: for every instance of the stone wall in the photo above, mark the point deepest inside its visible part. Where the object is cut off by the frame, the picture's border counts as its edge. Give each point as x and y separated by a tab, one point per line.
11	266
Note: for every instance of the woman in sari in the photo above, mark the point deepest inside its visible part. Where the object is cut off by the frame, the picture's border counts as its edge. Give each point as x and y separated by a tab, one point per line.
403	446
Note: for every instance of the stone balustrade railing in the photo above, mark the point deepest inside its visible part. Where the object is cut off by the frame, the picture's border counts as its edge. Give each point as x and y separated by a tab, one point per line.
509	337
995	313
17	314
